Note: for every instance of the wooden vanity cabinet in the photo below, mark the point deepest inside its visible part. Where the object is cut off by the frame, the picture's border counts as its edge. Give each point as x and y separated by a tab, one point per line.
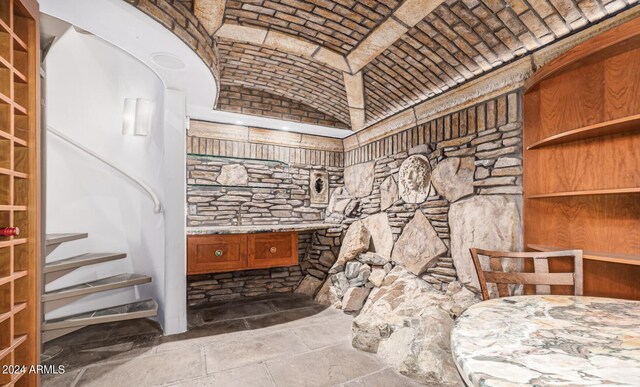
224	253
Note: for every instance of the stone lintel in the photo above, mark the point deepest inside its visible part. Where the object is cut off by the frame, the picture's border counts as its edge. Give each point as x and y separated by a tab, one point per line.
242	133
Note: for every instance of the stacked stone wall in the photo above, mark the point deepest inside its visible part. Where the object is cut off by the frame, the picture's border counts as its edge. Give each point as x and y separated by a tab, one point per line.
239	183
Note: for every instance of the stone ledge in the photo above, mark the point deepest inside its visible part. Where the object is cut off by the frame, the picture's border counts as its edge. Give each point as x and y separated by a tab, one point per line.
255	229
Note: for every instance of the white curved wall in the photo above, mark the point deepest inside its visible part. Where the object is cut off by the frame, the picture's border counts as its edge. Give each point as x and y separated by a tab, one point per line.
86	84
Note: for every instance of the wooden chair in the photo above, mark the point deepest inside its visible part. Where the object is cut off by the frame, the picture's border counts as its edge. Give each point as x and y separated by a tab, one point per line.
541	276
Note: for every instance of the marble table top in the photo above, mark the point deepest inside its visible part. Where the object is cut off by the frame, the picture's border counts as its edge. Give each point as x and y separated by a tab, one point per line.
252	229
549	341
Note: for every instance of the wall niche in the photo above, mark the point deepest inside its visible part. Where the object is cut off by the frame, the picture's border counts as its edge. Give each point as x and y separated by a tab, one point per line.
319	187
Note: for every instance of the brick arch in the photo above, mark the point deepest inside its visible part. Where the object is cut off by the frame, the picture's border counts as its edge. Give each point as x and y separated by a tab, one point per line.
178	17
337	25
463	39
293	77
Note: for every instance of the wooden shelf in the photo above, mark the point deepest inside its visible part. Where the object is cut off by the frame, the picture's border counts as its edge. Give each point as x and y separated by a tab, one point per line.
13	242
626	259
622	125
12	277
614	191
16	342
18	77
12	208
16	308
9	137
21	175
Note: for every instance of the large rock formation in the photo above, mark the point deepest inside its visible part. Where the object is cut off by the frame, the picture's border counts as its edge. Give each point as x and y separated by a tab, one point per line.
233	175
381	235
408	322
419	246
356	241
358	179
488	222
388	193
414	179
453	177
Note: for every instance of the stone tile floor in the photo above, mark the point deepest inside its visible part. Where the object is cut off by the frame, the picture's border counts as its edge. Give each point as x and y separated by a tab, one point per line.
282	340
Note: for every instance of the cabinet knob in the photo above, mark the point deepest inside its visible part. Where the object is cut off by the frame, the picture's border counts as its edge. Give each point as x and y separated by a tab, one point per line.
273	250
218	253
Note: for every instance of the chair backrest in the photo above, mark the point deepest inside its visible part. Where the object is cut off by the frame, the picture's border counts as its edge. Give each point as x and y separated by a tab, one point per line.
541	276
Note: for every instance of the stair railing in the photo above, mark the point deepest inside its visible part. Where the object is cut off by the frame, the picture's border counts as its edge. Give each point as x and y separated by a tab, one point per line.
157	206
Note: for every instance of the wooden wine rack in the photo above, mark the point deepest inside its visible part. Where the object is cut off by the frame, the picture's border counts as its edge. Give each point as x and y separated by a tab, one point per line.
19	190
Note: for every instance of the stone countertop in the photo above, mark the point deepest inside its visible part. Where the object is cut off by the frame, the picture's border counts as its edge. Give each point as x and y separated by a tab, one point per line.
255	229
549	341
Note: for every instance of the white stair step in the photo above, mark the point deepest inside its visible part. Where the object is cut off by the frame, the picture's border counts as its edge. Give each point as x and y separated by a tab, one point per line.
56	239
101	285
71	263
61	326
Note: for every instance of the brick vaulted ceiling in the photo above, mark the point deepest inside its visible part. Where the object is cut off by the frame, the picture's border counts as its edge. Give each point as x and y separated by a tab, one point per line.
356	62
290	76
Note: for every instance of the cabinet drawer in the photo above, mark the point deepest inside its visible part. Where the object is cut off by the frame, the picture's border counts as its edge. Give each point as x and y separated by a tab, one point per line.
216	253
274	249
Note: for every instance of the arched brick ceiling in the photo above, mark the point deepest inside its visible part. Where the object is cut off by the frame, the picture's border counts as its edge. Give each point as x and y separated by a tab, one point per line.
294	77
464	38
338	25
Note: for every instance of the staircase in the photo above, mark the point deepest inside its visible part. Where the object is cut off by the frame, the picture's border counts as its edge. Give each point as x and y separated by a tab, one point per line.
55	299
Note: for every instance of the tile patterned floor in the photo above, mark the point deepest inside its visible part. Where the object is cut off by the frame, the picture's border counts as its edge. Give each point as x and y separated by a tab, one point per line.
282	340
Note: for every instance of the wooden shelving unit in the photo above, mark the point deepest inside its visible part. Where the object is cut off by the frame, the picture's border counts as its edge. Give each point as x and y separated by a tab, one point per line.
19	189
622	125
615	191
581	163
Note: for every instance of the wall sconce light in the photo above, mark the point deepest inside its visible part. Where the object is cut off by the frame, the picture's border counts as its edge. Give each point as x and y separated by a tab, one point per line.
137	116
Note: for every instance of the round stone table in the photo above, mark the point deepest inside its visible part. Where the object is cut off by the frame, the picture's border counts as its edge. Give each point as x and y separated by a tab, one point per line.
549	341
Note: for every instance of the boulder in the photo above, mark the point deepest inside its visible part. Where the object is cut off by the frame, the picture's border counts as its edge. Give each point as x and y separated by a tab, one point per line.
414	179
381	235
340	284
362	276
422	351
354	299
388	193
309	286
453	177
356	240
327	295
351	269
408	323
358	179
372	259
377	276
233	174
419	246
489	222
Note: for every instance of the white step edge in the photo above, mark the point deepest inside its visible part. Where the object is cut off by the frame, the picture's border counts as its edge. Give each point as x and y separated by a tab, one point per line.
101	285
56	269
61	327
56	239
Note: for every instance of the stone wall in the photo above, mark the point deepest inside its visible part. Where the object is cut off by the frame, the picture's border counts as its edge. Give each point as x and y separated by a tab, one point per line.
414	203
238	176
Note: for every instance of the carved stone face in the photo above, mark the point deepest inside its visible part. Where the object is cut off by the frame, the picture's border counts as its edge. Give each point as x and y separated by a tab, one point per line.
415	179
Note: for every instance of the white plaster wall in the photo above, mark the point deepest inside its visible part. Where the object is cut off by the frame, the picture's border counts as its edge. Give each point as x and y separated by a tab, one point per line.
86	84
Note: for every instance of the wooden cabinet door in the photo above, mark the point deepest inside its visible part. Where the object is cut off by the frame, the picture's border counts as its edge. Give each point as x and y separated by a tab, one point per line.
216	253
273	250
